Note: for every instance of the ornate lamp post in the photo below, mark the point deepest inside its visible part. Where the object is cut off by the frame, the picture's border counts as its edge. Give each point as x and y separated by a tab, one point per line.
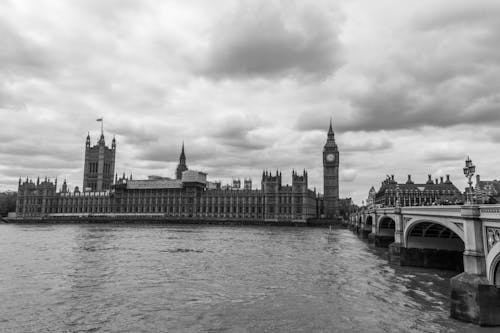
469	170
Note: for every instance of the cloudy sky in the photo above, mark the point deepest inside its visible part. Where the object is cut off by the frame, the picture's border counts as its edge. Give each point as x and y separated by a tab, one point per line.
412	87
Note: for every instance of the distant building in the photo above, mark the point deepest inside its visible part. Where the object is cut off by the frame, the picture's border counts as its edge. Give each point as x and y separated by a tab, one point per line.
7	202
410	194
346	206
487	191
370	201
190	195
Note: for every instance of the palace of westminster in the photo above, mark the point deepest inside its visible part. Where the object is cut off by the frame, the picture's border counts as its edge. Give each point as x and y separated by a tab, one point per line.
189	195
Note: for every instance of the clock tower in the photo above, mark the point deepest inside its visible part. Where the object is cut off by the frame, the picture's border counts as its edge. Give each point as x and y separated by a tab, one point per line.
331	176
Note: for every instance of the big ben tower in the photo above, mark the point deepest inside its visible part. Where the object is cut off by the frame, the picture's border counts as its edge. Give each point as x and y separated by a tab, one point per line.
331	176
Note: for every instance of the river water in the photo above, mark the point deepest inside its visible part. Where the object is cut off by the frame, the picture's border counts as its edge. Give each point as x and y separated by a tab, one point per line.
170	278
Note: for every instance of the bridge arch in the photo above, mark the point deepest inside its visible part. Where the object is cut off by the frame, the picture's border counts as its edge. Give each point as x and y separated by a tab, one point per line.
493	265
386	226
430	233
433	243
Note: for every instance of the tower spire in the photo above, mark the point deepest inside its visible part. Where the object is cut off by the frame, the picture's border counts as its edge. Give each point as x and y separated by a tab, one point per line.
181	167
330	129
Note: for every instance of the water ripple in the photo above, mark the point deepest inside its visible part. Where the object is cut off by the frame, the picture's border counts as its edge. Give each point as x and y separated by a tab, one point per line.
153	278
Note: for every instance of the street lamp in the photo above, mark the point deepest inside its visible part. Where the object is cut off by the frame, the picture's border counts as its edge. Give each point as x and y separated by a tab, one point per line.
469	170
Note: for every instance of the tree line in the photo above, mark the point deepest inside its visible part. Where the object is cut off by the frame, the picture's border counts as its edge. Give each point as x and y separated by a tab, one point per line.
7	202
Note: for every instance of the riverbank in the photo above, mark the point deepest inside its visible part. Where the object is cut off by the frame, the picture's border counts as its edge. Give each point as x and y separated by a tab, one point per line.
132	219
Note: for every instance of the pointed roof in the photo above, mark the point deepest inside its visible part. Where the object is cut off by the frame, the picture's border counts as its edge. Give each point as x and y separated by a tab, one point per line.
330	142
183	156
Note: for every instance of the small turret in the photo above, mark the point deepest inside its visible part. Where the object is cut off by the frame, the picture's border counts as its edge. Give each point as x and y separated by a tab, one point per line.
87	142
64	187
113	143
101	140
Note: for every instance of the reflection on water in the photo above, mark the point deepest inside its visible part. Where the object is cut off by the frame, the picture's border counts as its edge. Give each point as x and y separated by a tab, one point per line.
131	278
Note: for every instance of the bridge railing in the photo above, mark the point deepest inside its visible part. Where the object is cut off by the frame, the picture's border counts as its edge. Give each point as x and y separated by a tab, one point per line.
490	211
486	211
432	210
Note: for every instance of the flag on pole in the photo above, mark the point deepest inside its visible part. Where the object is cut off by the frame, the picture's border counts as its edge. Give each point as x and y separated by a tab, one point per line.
101	120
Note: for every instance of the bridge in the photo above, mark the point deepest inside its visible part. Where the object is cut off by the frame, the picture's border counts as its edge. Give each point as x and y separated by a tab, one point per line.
461	238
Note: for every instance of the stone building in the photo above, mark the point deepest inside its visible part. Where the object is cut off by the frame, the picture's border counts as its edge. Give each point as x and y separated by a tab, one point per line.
410	194
331	176
487	191
99	167
187	197
370	201
190	195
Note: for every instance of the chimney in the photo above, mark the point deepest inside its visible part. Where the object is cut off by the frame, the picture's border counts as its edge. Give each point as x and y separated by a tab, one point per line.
392	177
478	179
441	179
437	182
448	179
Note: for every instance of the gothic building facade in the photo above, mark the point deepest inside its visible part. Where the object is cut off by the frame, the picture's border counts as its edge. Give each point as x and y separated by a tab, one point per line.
99	167
189	195
331	176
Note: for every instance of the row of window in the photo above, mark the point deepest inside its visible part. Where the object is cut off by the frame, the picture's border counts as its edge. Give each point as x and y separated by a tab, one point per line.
161	209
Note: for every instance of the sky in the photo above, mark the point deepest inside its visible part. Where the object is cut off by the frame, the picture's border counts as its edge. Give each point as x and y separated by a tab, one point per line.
413	87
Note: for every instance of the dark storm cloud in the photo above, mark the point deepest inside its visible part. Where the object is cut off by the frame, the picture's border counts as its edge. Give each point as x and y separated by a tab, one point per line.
250	85
55	151
170	152
440	156
260	40
135	133
33	166
236	131
442	70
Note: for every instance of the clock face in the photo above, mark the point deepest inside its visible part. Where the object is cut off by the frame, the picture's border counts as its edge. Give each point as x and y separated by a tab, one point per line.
330	157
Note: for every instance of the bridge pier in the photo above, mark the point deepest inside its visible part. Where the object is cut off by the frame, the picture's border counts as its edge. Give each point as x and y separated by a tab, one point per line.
364	233
473	298
395	247
432	258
